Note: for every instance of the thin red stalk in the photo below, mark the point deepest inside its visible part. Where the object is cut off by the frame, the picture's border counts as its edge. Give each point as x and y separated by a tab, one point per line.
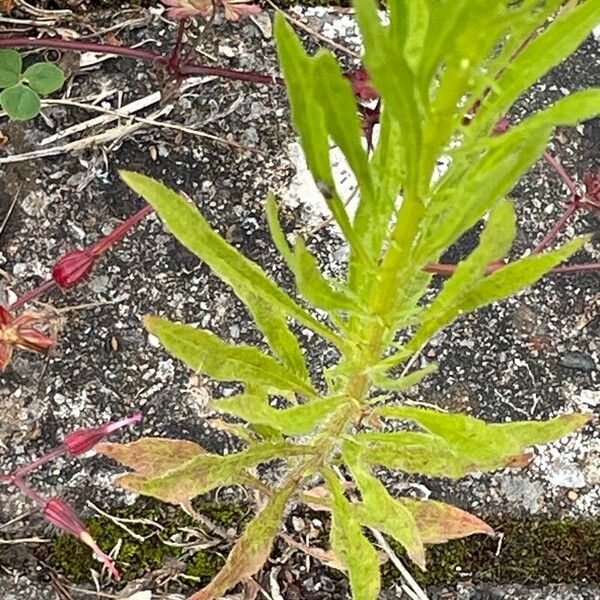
27	297
175	57
186	69
121	230
572	208
38	462
97	249
562	173
576	268
28	491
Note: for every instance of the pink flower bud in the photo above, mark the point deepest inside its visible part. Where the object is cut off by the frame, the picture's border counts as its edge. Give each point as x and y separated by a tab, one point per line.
61	515
82	440
73	267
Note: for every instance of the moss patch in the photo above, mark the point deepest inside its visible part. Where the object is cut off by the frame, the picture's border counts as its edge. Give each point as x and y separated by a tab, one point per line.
136	557
532	552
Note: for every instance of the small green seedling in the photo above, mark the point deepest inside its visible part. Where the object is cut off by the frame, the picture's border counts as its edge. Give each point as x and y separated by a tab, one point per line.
20	97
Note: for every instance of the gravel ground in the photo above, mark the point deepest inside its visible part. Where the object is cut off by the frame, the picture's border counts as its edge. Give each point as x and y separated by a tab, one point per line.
534	356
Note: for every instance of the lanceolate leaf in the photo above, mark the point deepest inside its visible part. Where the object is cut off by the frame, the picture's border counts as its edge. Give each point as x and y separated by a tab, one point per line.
202	473
251	550
203	351
308	117
560	39
191	229
385	513
310	281
500	284
405	382
152	457
297	420
350	545
495	242
486	446
439	522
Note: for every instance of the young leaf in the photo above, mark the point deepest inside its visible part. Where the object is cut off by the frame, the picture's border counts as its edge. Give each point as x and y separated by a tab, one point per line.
246	278
500	284
350	545
44	77
494	244
341	116
10	67
439	522
402	383
20	102
272	322
200	474
202	350
251	550
310	281
561	38
487	446
414	452
308	117
297	420
385	513
152	457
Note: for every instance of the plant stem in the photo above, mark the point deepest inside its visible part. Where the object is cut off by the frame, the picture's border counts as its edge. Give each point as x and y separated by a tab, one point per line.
185	69
572	208
562	173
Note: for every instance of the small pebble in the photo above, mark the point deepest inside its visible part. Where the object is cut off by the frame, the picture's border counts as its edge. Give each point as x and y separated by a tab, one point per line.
577	361
572	495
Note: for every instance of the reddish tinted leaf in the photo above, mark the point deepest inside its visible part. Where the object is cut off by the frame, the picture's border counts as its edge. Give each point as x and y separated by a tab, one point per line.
251	550
152	456
439	522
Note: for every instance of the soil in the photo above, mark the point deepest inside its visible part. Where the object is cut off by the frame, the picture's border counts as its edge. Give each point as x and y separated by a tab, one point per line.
533	356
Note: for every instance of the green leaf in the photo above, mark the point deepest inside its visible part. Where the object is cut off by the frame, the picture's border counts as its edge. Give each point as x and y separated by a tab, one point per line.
200	474
402	383
20	102
494	244
44	77
350	545
272	322
202	350
487	446
309	120
502	283
310	281
252	549
392	77
414	452
384	512
561	38
297	420
10	67
341	117
245	277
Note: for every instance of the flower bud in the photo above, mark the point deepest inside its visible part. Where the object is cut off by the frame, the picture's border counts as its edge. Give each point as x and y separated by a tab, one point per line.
82	440
73	267
61	515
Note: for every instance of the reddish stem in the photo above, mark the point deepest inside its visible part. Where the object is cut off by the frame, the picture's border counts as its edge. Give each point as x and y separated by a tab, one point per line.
562	173
175	57
27	297
186	69
447	269
572	208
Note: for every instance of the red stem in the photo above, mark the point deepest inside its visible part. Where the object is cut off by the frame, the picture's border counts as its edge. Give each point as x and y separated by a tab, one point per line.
43	288
562	173
176	54
572	208
186	69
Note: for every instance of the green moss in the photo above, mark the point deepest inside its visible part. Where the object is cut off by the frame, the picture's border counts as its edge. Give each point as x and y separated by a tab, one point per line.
136	557
533	551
